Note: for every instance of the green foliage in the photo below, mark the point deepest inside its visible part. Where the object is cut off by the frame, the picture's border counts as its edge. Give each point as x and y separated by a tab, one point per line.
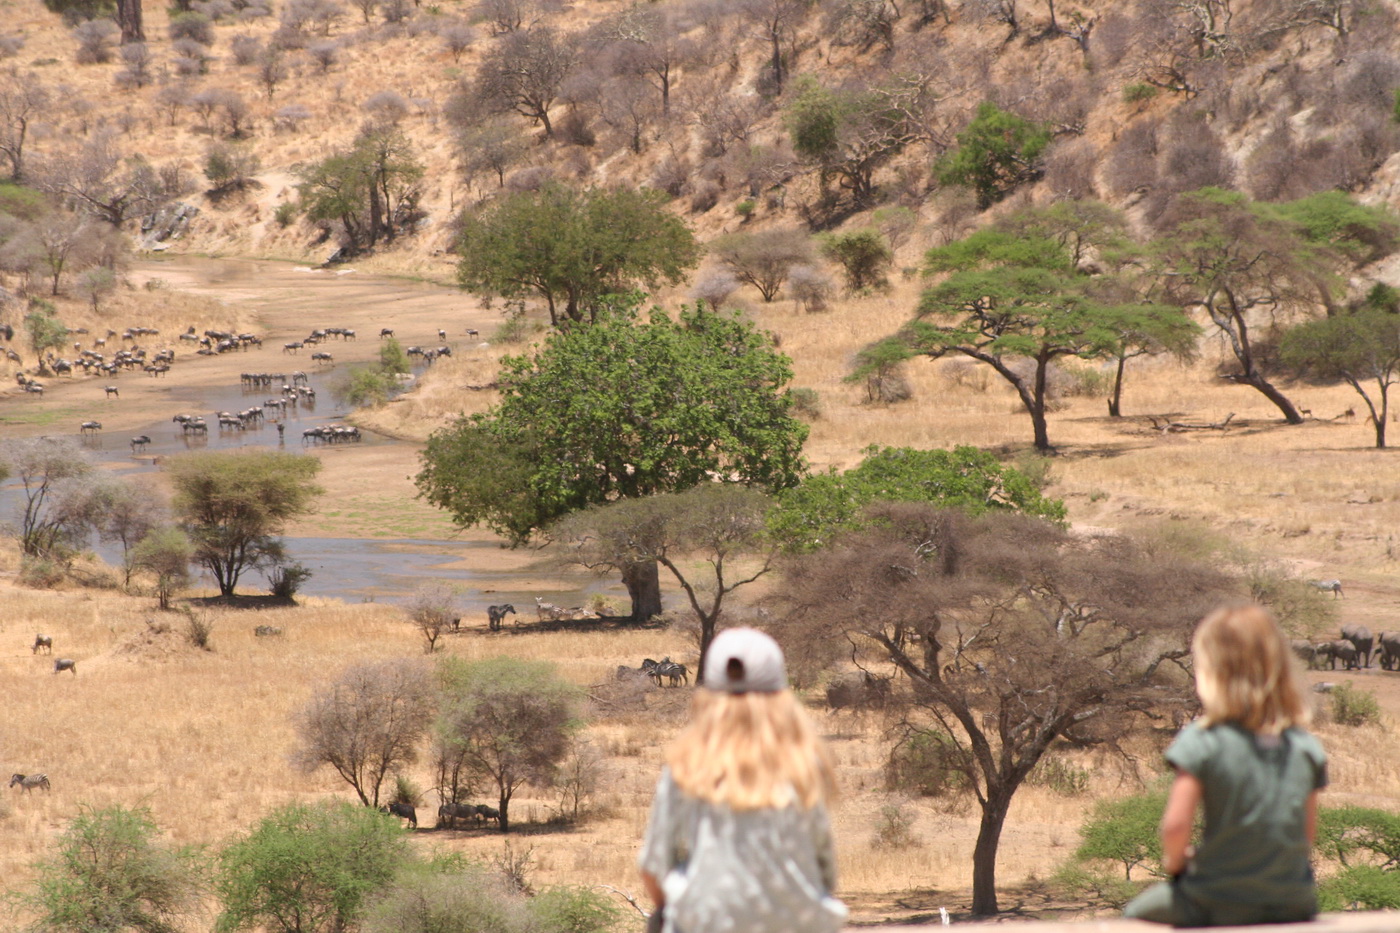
1059	776
364	190
894	828
1365	844
1361	887
745	208
308	868
1396	112
392	358
231	166
566	909
880	366
167	553
507	722
850	133
1124	831
862	254
77	11
1077	880
21	202
1352	706
365	385
997	152
806	403
1333	219
285	578
286	214
1383	297
926	763
112	873
1361	349
1139	92
456	896
623	408
965	477
571	247
46	332
234	504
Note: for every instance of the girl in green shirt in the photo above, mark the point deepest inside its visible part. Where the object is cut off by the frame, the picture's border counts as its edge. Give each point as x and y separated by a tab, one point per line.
1251	766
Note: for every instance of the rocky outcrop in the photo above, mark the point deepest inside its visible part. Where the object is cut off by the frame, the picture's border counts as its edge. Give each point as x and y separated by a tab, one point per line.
169	222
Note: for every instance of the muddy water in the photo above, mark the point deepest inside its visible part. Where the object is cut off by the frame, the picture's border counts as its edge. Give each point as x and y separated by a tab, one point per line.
290	301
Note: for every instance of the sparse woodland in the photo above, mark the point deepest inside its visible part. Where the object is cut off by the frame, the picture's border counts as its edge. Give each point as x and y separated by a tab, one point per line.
937	241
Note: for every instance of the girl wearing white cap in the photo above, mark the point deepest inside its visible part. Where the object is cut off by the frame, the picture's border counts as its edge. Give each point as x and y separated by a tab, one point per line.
739	839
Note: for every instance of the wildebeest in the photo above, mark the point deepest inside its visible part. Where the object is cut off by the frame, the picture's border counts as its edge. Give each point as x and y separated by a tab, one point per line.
65	664
404	810
140	441
483	812
90	427
112	391
42	641
450	813
28	782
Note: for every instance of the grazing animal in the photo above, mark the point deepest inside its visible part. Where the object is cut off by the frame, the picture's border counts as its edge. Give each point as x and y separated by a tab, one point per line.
483	812
28	782
676	674
1328	586
90	427
442	334
267	631
65	664
450	813
112	391
140	441
386	332
496	615
43	641
404	811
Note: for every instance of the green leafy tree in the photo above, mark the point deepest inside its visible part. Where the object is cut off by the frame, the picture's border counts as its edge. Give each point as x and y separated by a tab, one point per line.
764	259
850	134
508	721
862	254
392	358
233	505
369	191
812	514
1012	632
366	724
996	153
1361	349
625	408
46	332
1125	831
881	367
714	523
1255	268
308	868
1364	843
365	385
167	553
571	247
113	873
1015	291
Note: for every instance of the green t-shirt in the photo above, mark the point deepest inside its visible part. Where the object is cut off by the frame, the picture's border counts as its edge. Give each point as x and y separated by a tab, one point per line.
1253	862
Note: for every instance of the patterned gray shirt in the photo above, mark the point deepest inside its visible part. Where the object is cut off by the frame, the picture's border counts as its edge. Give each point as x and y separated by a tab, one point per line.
754	871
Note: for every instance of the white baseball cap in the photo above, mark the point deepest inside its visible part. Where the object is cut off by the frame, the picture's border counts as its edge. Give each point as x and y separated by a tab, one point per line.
743	660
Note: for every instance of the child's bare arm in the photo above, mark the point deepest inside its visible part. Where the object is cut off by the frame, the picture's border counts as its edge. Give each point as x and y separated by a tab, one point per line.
653	889
1178	820
1310	818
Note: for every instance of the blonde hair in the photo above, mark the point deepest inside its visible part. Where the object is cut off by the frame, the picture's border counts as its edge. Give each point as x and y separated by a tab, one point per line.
750	751
1246	672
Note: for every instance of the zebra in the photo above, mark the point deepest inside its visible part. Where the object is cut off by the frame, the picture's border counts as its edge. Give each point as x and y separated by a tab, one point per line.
496	615
65	664
1328	586
28	782
42	641
675	674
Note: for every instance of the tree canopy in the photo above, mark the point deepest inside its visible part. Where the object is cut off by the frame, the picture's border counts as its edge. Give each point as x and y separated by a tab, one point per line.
1360	349
1018	291
622	409
509	721
572	247
369	190
1012	632
233	505
995	153
849	134
813	513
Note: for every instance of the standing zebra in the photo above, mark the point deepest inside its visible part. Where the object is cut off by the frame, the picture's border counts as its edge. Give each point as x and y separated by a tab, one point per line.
28	782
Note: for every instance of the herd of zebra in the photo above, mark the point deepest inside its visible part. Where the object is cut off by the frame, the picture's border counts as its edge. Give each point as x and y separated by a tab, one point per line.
663	673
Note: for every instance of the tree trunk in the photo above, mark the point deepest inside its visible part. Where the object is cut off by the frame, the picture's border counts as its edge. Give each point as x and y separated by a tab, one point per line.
129	19
1115	409
503	804
643	582
1271	392
984	854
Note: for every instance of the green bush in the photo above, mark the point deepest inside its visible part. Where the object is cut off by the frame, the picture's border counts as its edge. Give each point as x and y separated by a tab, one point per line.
286	214
1354	707
1136	93
895	828
568	909
925	763
363	386
286	578
1361	887
745	208
1106	888
1124	832
41	573
863	255
806	403
112	872
1059	776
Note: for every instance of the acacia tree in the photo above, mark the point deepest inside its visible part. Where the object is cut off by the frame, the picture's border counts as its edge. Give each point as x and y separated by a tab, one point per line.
1017	291
509	722
23	98
1253	268
1361	349
850	134
1012	632
622	409
166	553
233	505
718	524
367	724
44	466
367	190
573	247
524	74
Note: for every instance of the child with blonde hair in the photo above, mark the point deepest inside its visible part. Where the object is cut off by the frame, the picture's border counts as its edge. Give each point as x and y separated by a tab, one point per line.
739	839
1251	765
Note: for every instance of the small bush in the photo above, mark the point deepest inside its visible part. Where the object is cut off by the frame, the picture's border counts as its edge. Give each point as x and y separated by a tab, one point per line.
406	791
1354	707
806	403
925	763
285	215
285	579
745	208
1360	887
192	25
199	626
41	573
95	38
1139	92
515	328
895	828
1060	777
573	910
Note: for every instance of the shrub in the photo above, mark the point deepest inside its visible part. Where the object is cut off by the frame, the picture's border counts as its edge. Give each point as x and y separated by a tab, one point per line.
715	288
863	255
229	167
95	38
1354	707
810	287
1136	93
925	763
41	573
286	214
806	403
1059	776
894	828
1360	887
285	578
745	208
573	910
192	25
199	626
1124	832
246	49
